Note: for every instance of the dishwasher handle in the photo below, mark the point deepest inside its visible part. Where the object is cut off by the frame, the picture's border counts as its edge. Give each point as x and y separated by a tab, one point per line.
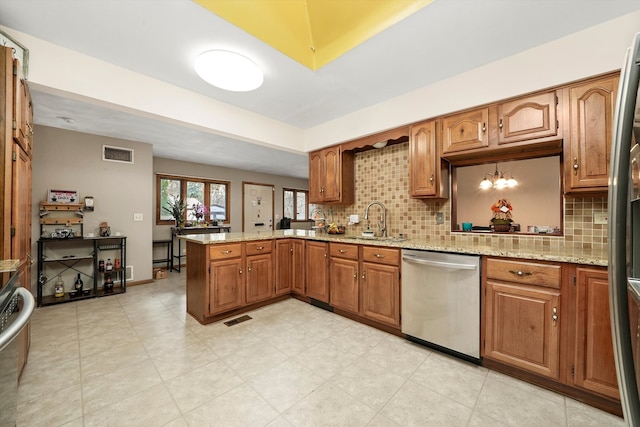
12	331
442	264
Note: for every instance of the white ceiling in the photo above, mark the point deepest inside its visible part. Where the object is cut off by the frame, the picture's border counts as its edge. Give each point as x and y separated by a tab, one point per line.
160	38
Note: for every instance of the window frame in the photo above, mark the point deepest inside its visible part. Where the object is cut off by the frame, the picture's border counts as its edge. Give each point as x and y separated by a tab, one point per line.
183	190
295	197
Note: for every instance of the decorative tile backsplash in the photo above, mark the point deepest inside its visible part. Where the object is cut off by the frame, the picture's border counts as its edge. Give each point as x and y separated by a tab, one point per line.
383	175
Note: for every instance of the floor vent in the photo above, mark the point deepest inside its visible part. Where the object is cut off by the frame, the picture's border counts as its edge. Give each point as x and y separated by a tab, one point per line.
117	154
237	320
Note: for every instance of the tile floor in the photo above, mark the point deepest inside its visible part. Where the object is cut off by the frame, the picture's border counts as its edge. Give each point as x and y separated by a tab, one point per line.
138	359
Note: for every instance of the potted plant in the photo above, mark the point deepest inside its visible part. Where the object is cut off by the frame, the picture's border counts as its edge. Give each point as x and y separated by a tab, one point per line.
176	209
501	220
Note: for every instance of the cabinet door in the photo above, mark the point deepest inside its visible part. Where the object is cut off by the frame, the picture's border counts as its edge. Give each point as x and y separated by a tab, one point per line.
522	327
528	118
22	110
316	177
317	265
297	266
332	177
595	367
424	162
380	293
284	260
591	110
465	131
259	278
343	284
225	288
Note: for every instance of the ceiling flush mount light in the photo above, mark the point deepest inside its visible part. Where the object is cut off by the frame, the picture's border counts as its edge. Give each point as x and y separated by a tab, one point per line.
498	180
228	70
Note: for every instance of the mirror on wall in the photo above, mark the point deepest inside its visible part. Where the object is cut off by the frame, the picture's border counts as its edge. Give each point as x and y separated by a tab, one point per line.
535	202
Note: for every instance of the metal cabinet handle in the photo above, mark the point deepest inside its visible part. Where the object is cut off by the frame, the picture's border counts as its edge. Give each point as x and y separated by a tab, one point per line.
291	250
342	251
260	248
355	274
240	271
554	317
521	273
576	166
364	275
484	127
379	256
249	268
431	178
500	125
225	252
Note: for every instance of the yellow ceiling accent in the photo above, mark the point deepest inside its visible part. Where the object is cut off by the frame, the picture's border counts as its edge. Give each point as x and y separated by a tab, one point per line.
313	32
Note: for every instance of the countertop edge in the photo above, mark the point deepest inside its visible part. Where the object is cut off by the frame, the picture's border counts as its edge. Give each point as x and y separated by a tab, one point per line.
574	257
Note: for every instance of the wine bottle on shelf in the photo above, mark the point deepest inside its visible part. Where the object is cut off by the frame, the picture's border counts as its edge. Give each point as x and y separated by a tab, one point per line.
78	284
109	265
101	266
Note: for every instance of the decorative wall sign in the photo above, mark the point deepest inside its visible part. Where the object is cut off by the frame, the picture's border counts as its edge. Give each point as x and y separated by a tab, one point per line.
63	196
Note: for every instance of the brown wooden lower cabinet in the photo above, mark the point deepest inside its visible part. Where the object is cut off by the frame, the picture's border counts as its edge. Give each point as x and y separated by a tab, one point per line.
380	293
343	284
225	285
594	368
316	266
520	329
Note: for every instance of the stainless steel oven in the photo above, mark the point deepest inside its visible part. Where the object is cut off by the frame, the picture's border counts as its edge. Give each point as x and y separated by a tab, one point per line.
16	307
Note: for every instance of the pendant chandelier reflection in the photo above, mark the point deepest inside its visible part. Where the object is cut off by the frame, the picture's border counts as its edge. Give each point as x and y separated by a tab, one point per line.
498	180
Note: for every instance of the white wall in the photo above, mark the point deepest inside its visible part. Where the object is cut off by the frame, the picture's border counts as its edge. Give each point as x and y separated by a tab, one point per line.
73	160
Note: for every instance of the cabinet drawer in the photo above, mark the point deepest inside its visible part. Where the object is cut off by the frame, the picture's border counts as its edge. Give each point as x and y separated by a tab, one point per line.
225	251
260	247
529	273
343	250
381	255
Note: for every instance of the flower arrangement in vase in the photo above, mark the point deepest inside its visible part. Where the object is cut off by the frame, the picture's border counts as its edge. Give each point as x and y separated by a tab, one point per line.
501	220
199	211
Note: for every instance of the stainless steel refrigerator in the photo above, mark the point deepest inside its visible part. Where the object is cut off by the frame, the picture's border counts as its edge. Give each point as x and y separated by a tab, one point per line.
624	235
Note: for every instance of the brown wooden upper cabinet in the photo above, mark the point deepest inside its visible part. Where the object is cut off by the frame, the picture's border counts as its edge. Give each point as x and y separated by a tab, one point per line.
465	131
428	174
331	176
503	128
590	112
22	110
528	118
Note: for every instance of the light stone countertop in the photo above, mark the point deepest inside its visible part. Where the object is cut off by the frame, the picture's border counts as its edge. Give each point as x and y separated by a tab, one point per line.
598	258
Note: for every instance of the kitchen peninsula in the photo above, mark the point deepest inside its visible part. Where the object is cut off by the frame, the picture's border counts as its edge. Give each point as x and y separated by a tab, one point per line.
360	278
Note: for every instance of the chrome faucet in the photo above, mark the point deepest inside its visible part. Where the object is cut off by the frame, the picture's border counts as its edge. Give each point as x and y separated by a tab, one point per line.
383	217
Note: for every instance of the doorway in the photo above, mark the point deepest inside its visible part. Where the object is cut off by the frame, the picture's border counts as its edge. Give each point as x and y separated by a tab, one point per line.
257	207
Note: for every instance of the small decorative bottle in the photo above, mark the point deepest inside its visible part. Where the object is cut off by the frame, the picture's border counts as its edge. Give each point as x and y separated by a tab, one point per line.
58	288
101	266
78	284
109	265
116	264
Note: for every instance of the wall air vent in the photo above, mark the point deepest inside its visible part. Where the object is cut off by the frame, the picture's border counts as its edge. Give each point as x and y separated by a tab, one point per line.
117	154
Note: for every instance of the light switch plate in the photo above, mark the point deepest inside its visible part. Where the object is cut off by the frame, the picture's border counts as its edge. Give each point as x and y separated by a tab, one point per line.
600	218
439	218
137	217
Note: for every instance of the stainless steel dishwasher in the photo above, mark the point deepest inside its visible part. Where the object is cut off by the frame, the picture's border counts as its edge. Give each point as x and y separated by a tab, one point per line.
441	301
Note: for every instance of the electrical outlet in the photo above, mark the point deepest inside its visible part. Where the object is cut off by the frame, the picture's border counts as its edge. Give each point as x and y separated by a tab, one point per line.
439	218
137	217
600	218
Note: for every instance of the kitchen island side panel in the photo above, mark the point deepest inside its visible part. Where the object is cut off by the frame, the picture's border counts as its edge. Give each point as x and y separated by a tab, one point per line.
197	281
